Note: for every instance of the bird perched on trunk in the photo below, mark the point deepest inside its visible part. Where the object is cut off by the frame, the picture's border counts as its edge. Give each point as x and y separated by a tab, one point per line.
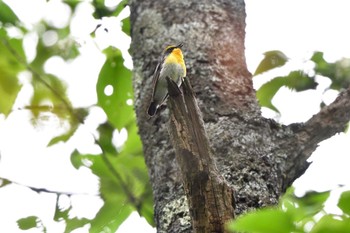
171	65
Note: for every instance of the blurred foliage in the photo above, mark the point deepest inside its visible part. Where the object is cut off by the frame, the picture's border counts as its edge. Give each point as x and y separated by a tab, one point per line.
338	72
74	122
7	16
299	80
9	70
126	26
102	11
296	214
62	214
124	185
344	202
4	182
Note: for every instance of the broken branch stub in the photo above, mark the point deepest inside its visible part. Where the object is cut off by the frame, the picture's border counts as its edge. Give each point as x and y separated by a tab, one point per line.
211	199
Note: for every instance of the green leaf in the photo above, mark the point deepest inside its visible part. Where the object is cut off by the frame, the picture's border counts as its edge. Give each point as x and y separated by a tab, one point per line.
9	89
74	122
7	15
102	11
43	53
133	172
331	224
126	25
133	144
28	222
341	78
272	59
11	50
112	214
74	223
115	76
267	91
322	67
317	57
295	80
132	175
337	72
304	208
54	94
310	204
147	205
62	214
344	202
299	81
66	136
76	159
72	3
291	216
314	199
106	135
116	207
4	182
263	221
122	4
67	48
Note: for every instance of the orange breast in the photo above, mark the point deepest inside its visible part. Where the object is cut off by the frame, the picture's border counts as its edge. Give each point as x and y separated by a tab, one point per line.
176	57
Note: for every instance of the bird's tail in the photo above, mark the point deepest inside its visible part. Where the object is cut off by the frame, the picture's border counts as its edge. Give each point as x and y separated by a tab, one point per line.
152	109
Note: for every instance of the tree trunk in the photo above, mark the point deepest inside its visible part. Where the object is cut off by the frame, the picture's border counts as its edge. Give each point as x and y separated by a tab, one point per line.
257	156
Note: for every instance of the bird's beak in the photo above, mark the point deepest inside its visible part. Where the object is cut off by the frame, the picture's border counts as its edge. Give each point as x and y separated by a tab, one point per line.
180	45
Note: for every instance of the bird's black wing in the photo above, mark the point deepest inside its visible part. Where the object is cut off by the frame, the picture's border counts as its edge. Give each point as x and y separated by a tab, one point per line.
157	73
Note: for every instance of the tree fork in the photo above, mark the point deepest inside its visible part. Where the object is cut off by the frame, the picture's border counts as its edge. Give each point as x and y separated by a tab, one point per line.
211	200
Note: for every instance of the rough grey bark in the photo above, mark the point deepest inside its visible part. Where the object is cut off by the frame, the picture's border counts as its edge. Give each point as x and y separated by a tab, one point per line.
257	156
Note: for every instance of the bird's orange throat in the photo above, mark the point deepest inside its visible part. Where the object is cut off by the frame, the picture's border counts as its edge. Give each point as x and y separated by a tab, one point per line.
176	57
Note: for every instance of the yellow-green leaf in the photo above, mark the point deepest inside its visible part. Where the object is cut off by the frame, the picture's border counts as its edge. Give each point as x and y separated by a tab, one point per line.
272	59
114	89
11	50
263	221
344	202
7	15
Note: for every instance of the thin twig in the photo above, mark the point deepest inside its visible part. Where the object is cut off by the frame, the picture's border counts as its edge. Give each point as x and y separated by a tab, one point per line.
44	190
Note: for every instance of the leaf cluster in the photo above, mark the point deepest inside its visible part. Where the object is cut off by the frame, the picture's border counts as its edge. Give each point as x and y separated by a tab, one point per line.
297	214
300	80
121	170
